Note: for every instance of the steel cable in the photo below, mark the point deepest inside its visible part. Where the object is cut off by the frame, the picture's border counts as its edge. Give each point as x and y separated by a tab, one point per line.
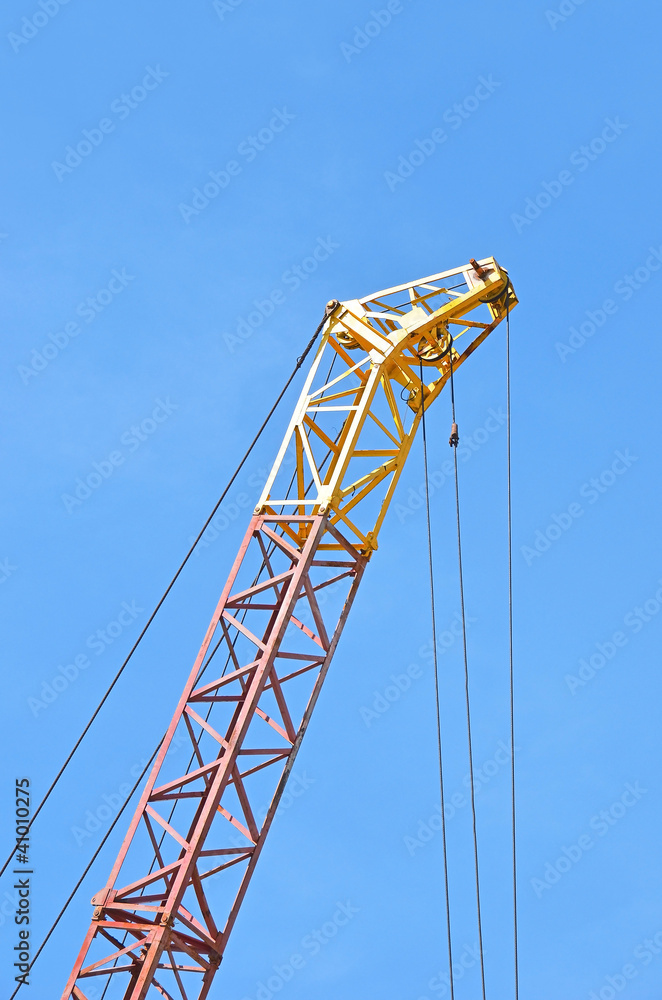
510	644
454	442
204	667
436	688
87	869
300	361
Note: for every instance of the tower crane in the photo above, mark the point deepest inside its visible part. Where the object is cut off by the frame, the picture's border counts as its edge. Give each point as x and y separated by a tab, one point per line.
381	362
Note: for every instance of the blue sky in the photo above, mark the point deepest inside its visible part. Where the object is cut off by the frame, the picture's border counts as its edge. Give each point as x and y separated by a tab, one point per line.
133	299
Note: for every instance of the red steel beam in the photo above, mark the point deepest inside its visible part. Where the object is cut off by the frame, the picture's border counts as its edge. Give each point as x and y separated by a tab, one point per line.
164	940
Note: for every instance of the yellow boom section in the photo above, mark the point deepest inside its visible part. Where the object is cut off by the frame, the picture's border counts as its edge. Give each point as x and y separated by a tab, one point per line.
360	407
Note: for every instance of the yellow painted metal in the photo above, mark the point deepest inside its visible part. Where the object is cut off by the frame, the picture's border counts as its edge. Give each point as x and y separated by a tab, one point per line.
366	404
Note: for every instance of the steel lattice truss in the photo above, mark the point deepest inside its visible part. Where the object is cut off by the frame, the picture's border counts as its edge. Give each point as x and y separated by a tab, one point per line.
205	811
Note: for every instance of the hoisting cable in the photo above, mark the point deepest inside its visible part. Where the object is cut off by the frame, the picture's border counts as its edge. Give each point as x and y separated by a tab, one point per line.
510	643
453	442
270	549
128	799
436	689
300	360
91	862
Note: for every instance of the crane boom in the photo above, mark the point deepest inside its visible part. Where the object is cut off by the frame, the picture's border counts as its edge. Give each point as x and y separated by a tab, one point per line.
244	711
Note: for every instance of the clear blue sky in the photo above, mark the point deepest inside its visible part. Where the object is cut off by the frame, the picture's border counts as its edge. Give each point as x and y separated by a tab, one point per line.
131	290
